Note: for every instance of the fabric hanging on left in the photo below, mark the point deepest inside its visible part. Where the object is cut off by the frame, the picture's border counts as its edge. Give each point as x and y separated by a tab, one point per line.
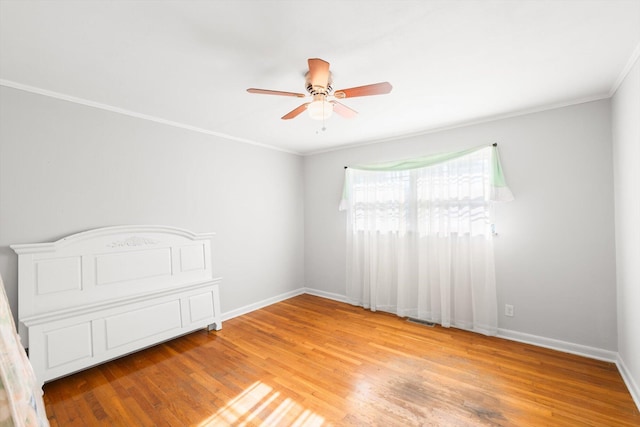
21	402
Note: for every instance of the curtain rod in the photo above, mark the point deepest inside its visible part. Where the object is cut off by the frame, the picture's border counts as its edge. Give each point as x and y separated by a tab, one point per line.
495	144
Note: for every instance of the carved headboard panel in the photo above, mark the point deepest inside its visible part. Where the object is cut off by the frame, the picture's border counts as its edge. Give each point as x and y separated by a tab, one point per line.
109	263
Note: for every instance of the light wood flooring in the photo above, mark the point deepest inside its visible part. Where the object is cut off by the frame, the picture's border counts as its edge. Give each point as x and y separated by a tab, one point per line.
309	361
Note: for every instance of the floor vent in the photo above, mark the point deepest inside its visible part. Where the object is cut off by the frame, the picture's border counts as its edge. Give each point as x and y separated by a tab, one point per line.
421	322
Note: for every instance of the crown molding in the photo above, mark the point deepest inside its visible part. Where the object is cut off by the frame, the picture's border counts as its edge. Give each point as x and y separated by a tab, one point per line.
118	110
465	123
627	68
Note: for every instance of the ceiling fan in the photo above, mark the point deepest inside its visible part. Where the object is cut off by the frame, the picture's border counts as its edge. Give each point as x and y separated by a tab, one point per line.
323	102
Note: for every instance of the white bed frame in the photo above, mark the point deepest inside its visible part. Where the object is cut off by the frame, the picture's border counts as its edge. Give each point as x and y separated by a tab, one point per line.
98	295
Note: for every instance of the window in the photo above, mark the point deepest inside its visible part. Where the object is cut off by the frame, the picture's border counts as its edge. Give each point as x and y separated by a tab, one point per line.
450	197
419	237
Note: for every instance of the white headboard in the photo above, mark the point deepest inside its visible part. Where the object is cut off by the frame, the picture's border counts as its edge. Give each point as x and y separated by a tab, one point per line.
156	281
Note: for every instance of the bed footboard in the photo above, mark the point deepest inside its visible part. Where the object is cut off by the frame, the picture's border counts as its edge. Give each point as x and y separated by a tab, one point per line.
104	293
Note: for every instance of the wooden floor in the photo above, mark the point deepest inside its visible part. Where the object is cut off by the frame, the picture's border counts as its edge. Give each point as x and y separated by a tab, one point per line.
310	361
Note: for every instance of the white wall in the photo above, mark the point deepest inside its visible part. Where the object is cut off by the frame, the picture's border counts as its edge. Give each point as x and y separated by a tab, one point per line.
555	250
626	160
66	168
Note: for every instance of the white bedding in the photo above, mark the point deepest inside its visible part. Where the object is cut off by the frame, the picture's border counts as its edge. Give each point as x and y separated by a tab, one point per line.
21	401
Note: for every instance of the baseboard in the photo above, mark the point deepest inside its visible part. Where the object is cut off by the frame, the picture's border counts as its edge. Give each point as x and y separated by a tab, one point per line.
564	346
282	297
632	386
261	304
567	347
327	295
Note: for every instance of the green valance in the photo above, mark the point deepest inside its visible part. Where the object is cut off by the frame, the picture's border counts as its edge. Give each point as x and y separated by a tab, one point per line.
500	192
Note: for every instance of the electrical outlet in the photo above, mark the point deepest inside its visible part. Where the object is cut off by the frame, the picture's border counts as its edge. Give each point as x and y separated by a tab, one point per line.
508	310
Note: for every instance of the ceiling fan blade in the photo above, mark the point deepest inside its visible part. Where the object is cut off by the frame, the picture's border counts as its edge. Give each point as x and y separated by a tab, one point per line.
374	89
318	72
294	113
275	92
343	110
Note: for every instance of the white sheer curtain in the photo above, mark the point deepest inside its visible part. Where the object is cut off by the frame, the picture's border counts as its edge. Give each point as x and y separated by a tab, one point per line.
420	238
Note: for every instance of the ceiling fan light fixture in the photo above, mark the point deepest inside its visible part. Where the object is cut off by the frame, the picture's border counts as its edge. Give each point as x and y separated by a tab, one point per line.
318	81
320	109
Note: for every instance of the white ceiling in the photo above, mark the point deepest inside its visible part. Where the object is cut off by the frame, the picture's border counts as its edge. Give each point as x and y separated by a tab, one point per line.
190	62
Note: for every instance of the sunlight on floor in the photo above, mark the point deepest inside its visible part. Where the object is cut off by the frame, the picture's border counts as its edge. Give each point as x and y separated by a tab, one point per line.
260	405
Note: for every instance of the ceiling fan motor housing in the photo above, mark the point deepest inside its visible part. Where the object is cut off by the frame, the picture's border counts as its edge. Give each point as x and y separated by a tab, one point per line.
318	81
317	89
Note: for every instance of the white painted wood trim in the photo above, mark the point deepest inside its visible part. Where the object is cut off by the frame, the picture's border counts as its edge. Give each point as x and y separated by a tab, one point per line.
106	231
466	123
118	110
633	387
623	74
100	294
564	346
328	295
79	311
261	304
